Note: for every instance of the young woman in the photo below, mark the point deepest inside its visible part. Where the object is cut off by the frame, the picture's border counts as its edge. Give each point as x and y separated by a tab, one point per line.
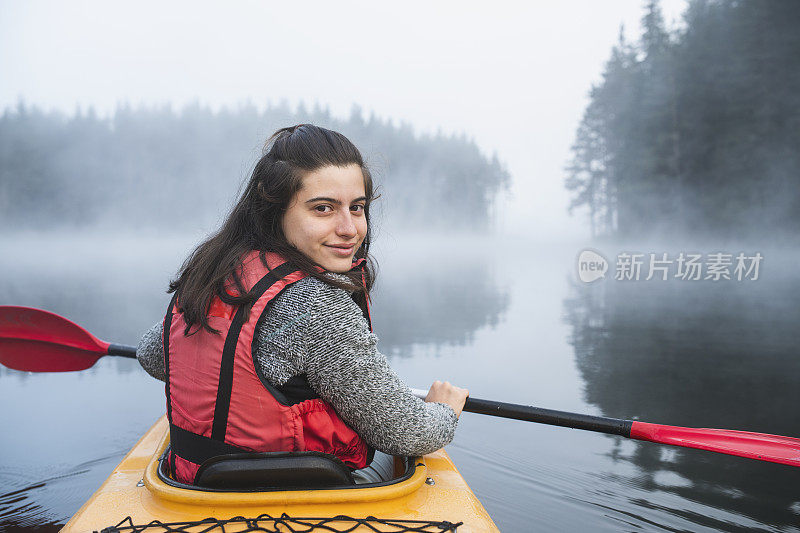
267	344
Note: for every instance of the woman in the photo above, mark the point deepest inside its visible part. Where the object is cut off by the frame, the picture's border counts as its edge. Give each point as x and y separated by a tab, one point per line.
267	344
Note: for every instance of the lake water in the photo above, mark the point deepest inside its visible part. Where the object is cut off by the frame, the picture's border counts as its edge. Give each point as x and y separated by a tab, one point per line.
506	318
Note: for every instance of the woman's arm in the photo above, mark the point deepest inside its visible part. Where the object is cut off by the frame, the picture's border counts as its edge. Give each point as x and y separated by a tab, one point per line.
150	351
343	365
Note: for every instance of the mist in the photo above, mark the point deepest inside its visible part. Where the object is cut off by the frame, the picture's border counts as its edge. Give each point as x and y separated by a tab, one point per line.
657	139
693	134
177	171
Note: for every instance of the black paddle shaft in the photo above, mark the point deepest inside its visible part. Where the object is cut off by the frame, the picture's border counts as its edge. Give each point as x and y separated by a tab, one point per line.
613	426
122	351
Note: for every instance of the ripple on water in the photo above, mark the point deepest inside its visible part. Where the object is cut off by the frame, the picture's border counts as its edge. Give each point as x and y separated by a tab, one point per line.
46	504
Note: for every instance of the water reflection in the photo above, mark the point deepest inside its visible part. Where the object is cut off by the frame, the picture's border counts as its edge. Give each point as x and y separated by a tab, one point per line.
416	303
697	354
115	288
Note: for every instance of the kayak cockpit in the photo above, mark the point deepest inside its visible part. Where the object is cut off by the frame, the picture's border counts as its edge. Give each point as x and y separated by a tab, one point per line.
326	482
277	471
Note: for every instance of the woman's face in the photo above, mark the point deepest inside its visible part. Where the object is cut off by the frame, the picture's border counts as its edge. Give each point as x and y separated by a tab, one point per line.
325	220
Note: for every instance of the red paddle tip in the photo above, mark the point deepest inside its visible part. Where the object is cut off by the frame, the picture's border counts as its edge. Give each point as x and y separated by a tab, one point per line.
34	340
761	446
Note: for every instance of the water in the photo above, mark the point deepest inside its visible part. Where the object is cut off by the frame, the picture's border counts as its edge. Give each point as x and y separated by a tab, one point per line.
505	318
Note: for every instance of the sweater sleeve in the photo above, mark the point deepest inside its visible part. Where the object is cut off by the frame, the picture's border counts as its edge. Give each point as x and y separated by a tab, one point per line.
343	365
150	352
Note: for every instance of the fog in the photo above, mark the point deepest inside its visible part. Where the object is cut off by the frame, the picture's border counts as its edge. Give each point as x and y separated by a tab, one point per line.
514	81
178	171
642	119
505	141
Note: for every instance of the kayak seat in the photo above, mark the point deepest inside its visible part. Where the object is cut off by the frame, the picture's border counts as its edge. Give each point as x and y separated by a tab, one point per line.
273	470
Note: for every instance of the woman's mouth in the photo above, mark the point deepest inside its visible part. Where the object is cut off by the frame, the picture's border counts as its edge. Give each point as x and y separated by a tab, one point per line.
342	250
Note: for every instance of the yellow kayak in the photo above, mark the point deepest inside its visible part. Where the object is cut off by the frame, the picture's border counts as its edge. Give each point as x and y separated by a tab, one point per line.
428	494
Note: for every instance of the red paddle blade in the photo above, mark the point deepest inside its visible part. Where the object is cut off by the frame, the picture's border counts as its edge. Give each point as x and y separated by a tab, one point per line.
761	446
33	340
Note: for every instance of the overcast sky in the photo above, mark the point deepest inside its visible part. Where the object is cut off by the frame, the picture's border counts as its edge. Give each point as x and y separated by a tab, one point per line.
514	76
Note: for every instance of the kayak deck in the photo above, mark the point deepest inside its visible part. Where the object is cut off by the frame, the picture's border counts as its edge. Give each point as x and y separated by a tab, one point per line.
135	490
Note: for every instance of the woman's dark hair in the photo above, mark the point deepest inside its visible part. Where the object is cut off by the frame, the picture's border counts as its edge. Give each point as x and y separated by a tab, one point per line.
254	223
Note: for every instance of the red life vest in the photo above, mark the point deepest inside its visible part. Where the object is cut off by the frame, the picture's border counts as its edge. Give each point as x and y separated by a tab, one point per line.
217	403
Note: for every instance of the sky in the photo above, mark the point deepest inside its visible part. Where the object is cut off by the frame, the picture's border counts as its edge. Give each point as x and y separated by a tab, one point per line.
513	76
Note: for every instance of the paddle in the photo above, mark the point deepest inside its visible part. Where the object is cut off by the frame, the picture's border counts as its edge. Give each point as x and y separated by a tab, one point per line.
39	341
761	446
33	340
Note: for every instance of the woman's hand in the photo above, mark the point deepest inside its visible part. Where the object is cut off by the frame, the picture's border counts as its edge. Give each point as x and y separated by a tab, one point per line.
453	396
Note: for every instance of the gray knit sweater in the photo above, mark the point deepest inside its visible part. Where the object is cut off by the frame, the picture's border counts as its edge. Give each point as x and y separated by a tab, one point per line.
316	329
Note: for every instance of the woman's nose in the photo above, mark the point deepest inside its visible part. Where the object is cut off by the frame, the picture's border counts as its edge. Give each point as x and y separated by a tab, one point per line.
346	226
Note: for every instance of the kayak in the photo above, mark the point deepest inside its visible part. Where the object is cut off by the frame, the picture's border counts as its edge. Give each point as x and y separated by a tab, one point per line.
427	494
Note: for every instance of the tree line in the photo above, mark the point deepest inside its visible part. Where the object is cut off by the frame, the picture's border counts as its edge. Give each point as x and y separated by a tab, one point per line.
181	169
696	130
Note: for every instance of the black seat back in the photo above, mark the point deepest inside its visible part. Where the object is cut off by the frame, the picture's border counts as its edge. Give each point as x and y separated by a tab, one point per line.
274	470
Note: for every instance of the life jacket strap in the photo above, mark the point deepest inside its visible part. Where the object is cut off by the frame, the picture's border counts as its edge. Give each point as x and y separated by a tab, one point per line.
219	426
197	448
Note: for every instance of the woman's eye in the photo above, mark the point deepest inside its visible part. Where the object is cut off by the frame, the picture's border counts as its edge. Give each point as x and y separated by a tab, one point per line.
358	208
322	208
